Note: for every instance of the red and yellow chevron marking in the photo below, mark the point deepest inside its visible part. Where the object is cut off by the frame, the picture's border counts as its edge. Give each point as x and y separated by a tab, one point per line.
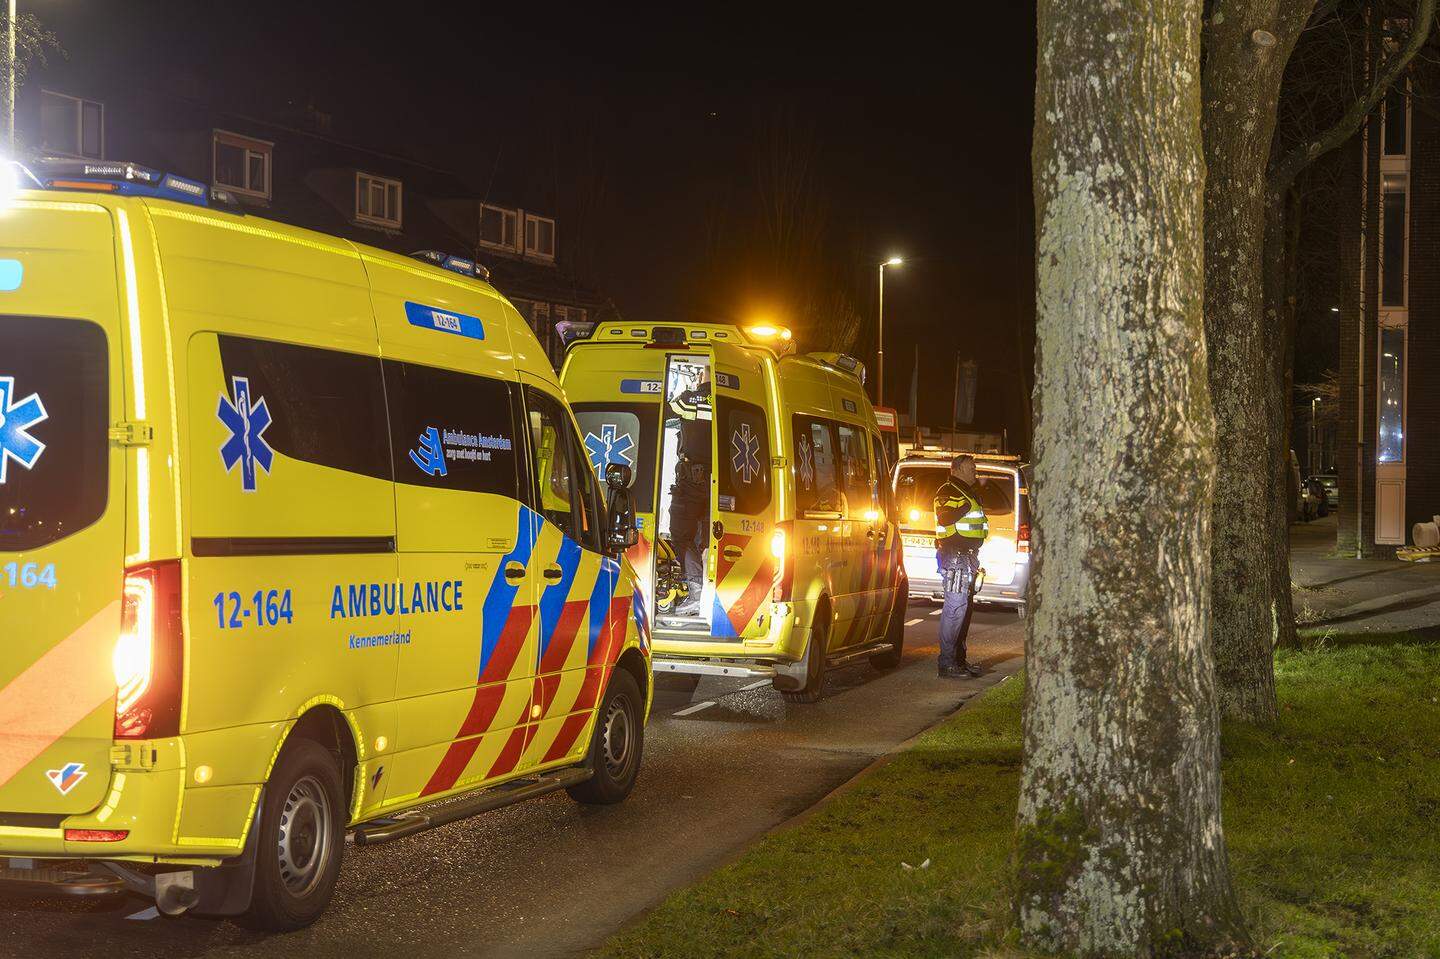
744	576
580	624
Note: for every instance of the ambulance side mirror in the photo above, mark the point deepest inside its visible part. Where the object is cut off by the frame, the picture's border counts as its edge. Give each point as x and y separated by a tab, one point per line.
620	531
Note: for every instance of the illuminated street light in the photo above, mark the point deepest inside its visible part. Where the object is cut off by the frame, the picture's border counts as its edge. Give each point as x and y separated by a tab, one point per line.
880	338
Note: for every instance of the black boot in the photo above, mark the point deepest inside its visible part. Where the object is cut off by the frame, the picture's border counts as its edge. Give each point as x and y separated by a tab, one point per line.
953	672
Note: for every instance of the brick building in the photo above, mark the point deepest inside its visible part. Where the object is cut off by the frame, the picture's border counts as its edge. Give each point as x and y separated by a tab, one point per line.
1387	442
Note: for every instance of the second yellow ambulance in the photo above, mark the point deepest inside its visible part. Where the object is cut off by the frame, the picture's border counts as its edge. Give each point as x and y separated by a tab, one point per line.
802	558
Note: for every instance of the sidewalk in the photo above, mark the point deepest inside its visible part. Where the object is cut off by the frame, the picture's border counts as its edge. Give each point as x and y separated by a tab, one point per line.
1360	595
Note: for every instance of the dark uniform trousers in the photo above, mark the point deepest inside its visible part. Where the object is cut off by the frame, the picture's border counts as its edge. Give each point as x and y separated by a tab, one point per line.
958	569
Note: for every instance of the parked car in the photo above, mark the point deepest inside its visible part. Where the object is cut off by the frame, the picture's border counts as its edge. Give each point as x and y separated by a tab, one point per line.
1331	487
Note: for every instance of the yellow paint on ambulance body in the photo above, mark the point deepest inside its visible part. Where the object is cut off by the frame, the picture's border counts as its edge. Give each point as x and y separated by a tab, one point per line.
327	563
843	554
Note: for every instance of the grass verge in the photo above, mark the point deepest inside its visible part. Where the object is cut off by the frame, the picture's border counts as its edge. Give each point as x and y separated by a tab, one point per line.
1331	818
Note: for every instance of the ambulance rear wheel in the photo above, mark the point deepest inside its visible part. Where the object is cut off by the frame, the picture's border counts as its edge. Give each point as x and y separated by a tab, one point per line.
895	633
615	744
814	664
302	837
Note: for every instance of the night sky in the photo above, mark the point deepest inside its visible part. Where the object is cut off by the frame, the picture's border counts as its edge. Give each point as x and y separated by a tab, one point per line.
640	132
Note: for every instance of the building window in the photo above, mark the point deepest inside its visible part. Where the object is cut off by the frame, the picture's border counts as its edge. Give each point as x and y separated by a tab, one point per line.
1392	232
242	164
498	227
70	126
377	200
1396	139
573	314
540	237
1392	394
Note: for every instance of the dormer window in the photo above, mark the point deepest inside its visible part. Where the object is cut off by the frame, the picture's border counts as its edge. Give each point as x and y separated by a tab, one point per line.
539	237
498	228
242	164
377	200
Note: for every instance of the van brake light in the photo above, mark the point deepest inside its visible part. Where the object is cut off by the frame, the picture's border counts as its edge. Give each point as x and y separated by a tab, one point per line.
148	655
1022	538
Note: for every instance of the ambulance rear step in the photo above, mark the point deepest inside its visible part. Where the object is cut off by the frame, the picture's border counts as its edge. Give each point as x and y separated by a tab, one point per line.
51	878
408	824
748	670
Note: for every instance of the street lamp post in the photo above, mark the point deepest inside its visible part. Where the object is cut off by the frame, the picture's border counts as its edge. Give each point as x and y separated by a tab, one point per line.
1314	437
880	338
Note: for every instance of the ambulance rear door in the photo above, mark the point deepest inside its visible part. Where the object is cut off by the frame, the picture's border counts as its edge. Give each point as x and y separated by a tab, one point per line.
745	496
62	506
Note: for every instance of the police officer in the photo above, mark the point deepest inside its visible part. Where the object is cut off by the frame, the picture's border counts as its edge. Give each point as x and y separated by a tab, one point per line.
960	528
690	495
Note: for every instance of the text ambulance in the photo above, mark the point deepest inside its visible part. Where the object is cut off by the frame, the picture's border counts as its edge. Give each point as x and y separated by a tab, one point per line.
760	484
295	535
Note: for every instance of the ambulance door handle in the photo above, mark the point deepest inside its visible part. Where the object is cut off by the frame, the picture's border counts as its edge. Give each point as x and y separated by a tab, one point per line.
514	570
553	573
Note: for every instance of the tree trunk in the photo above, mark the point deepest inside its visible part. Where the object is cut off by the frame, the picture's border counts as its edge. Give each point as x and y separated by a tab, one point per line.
1247	44
1121	851
1281	240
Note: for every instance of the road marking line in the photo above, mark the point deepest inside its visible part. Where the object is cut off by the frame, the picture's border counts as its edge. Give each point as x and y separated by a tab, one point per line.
912	622
763	682
695	709
937	612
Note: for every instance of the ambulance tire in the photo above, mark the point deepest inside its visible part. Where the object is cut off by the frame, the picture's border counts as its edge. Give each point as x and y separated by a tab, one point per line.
895	632
815	654
615	744
302	838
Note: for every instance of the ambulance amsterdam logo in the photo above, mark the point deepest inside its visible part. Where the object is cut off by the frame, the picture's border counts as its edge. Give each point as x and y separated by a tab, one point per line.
17	418
609	448
745	453
430	456
67	777
247	420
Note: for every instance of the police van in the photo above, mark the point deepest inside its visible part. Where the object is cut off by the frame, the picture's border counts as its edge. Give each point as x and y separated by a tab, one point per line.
799	549
296	536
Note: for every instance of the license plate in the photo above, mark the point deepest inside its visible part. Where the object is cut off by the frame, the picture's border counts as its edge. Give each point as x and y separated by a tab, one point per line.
921	541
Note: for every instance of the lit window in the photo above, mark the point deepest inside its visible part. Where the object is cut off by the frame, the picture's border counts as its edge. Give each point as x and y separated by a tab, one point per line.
242	164
498	228
540	237
1392	394
377	200
70	126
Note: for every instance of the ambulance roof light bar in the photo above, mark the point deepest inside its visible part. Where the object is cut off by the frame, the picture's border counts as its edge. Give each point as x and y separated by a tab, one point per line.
127	179
842	362
574	331
455	264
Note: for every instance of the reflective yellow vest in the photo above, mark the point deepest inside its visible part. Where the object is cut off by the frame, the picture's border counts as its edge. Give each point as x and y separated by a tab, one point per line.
958	513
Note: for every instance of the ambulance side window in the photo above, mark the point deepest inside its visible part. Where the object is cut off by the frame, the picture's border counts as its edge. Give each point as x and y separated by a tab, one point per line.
816	486
451	430
855	467
744	452
558	492
880	475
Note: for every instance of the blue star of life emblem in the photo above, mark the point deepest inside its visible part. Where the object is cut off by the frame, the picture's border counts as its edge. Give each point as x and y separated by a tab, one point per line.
247	420
745	453
608	448
430	456
807	463
17	417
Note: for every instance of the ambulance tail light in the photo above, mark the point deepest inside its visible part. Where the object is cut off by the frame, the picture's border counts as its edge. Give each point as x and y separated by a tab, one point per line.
782	549
149	654
96	835
1022	538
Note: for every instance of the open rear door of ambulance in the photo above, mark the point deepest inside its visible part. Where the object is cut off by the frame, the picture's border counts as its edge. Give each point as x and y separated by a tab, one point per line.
62	509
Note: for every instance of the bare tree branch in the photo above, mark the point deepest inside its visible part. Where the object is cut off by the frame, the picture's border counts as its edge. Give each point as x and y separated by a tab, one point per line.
1284	173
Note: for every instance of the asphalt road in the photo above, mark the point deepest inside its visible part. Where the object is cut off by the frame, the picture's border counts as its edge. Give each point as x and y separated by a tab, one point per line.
552	878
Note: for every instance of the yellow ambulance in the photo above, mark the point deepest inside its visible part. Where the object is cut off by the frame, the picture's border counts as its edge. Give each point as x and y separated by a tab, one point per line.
799	548
295	535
